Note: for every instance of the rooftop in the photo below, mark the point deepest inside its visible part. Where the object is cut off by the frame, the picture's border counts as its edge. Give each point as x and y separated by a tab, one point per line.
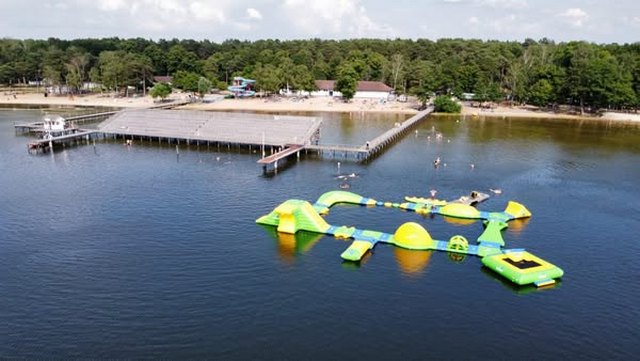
362	86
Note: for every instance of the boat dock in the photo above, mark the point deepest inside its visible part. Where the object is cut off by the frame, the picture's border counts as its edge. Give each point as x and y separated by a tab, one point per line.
68	136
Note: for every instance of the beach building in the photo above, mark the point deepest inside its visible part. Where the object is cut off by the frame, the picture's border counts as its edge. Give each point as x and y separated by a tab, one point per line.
364	89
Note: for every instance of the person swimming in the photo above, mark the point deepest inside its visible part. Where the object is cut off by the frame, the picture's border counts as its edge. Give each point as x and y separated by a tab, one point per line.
436	162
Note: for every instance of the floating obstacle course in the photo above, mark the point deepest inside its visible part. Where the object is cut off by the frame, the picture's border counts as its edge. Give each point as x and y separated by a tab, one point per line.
516	265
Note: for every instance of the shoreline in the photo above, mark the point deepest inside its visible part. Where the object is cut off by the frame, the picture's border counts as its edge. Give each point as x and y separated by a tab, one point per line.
296	105
533	113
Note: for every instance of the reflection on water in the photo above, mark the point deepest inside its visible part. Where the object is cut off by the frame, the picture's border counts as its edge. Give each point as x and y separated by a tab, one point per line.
291	245
518	225
456	257
459	221
411	263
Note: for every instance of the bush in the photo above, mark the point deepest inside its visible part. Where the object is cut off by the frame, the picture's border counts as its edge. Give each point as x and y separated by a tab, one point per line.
161	90
444	104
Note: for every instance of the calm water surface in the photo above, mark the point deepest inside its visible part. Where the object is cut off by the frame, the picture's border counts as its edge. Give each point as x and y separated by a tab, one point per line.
135	252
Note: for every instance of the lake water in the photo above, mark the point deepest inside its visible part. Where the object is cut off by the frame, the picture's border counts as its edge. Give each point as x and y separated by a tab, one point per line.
136	252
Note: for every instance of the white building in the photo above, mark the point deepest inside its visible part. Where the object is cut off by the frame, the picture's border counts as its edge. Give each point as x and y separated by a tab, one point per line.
364	89
53	123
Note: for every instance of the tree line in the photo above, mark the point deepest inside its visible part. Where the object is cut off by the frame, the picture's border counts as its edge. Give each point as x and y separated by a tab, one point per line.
543	73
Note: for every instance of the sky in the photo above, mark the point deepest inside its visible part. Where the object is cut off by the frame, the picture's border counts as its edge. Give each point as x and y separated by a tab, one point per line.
217	20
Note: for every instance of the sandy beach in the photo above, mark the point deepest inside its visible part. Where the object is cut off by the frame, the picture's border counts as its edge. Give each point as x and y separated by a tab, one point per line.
532	112
94	100
292	105
319	104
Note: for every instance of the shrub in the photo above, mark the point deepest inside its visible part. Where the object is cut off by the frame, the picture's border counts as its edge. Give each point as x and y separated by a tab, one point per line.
444	104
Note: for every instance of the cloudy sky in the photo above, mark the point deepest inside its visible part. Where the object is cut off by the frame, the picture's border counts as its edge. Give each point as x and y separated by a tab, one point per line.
217	20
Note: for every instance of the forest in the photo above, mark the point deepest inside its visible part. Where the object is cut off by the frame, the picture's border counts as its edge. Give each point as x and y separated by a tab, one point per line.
542	73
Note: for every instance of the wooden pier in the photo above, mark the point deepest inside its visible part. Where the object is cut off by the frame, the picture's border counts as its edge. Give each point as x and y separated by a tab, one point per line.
68	136
347	152
283	135
372	147
380	142
284	153
256	130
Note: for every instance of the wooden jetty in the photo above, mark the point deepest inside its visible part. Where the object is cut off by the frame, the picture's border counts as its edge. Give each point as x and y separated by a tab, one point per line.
68	136
283	134
347	152
380	142
287	151
372	147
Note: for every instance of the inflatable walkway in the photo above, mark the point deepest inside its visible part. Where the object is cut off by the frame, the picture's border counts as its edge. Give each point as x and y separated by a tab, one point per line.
516	265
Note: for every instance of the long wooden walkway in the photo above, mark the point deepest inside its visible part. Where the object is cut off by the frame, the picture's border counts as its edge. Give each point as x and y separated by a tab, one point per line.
378	143
372	147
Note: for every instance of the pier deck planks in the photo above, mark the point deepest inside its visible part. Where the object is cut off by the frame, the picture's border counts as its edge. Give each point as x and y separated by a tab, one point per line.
237	128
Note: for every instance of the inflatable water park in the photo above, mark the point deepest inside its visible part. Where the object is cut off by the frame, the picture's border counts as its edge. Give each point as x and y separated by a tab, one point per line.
516	265
242	87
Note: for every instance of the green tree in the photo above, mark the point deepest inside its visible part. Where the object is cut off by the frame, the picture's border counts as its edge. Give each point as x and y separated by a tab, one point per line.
142	68
160	90
114	72
7	73
540	93
212	66
268	78
423	93
444	104
204	86
347	81
158	59
301	78
186	80
397	70
178	58
53	67
76	67
594	77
